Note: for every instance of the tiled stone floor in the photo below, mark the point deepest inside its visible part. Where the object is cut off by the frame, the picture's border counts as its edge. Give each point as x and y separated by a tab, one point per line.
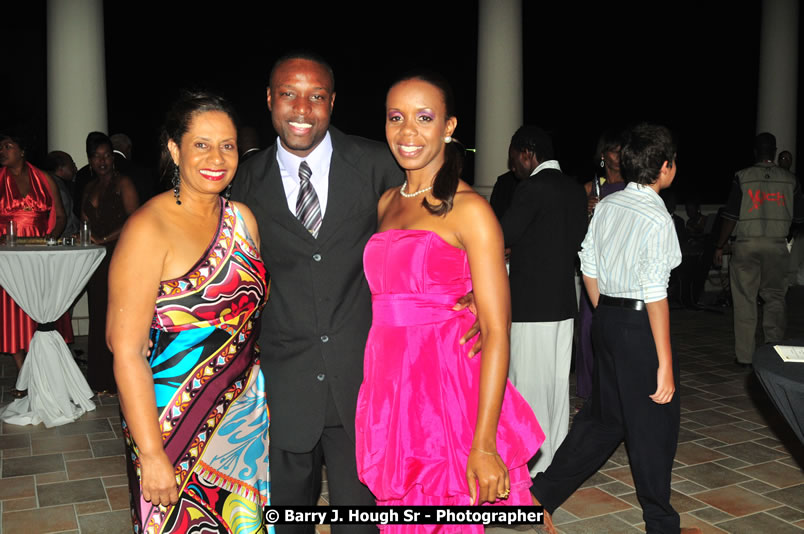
738	467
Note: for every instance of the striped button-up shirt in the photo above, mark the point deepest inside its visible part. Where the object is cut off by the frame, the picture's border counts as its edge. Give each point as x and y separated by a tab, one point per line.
631	245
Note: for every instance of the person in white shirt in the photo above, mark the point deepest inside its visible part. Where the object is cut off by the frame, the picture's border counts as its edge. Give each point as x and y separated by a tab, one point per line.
626	259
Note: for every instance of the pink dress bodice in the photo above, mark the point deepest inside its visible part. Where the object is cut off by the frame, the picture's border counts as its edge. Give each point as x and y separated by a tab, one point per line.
423	263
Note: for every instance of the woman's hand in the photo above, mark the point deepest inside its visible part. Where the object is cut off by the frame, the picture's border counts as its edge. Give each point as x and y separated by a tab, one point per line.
158	479
591	204
468	301
487	476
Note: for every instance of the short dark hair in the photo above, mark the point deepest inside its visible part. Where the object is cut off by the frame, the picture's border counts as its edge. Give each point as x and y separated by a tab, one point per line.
765	146
533	139
307	55
55	160
95	140
189	104
446	180
645	149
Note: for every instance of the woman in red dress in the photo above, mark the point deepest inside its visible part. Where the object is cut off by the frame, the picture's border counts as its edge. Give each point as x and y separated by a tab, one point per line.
26	197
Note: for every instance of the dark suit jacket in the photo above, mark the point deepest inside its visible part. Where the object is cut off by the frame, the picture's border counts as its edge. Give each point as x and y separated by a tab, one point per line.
503	193
544	228
316	321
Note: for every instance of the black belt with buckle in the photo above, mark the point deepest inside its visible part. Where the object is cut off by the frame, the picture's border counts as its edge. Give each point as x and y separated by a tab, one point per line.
619	302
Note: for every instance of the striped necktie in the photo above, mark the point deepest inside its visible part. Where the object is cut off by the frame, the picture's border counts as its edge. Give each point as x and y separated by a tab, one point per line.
308	209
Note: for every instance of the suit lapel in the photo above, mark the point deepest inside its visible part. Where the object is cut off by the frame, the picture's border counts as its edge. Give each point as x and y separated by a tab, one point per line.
344	186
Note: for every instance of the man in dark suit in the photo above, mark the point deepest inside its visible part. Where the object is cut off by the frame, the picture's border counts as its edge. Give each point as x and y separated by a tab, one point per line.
318	314
543	228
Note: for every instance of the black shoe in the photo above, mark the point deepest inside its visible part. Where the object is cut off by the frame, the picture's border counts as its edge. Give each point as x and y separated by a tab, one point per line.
743	365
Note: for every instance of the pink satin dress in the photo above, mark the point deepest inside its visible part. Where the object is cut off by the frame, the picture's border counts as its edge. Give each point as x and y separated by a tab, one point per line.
33	216
418	403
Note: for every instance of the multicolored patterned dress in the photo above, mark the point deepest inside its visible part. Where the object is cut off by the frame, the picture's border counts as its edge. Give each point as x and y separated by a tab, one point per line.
210	392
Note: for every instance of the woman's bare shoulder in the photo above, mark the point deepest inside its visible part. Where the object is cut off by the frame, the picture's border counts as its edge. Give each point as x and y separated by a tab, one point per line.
150	218
467	201
471	210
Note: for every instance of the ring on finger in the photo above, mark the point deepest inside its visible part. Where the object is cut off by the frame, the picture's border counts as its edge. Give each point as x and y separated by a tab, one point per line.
504	495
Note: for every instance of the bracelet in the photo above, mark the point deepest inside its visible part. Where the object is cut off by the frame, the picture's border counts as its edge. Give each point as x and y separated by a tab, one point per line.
484	452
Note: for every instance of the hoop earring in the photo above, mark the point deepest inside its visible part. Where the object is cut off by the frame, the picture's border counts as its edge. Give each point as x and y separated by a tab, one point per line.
602	162
176	185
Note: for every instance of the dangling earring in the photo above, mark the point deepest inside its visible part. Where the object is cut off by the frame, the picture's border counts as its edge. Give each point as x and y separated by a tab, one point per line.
448	139
176	185
602	162
228	191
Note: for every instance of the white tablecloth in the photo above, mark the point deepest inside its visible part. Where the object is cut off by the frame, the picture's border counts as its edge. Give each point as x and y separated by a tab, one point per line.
44	281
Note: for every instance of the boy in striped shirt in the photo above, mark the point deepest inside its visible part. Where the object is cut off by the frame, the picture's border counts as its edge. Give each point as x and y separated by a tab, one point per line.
626	259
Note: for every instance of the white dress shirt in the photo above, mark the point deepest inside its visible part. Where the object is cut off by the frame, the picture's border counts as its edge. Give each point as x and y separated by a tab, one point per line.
318	160
631	245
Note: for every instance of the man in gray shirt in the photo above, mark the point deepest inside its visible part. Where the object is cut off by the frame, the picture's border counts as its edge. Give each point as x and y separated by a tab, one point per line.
61	166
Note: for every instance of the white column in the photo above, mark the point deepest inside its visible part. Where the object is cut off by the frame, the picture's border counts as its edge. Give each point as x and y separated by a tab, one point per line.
76	75
778	73
499	87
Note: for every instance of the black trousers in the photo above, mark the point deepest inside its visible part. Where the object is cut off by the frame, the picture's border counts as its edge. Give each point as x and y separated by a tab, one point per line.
296	477
620	409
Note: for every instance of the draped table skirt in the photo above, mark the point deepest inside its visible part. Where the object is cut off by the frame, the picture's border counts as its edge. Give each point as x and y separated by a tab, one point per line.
45	281
784	383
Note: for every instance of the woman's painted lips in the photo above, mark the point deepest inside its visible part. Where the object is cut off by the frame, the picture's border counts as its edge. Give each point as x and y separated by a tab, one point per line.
210	174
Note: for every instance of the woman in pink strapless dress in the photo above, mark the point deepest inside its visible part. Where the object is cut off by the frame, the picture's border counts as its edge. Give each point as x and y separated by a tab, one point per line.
434	425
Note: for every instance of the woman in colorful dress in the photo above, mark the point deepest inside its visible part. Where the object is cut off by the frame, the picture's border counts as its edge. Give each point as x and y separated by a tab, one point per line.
187	270
30	198
434	426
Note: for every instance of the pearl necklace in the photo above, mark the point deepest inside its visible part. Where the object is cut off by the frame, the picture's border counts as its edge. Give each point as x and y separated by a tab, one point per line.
411	195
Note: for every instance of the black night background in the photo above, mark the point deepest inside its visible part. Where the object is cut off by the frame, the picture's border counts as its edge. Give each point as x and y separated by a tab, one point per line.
587	67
